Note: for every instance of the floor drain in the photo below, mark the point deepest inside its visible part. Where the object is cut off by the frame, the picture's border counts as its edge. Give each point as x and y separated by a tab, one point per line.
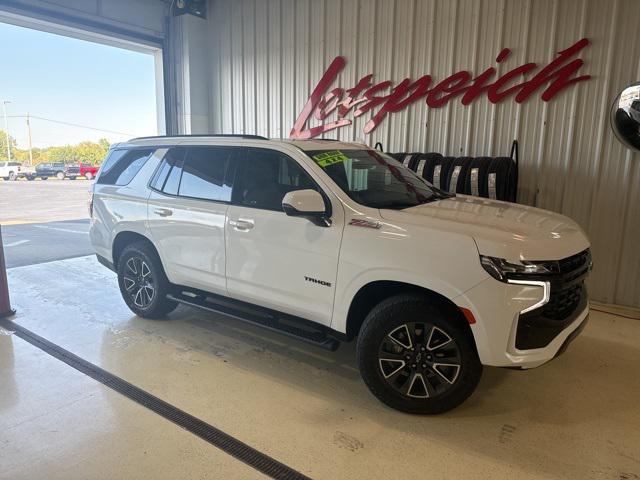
225	442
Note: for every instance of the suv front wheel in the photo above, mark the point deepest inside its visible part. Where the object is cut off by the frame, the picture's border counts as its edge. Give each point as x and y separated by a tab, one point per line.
143	283
416	359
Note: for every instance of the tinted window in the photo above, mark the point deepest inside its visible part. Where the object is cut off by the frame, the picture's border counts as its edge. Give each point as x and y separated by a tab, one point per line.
267	176
167	177
121	166
374	179
204	173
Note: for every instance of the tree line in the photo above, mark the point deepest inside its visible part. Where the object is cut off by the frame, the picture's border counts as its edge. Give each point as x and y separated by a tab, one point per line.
84	152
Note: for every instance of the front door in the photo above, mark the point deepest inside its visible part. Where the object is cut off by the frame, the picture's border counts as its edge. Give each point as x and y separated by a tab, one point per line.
281	262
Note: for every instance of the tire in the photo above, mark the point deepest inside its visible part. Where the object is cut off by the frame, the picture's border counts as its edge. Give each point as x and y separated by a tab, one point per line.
444	164
500	179
477	178
60	175
43	178
12	177
88	176
6	179
31	178
432	159
457	175
144	293
408	321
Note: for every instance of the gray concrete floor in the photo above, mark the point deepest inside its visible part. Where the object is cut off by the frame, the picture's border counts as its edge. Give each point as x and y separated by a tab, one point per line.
32	243
577	417
43	201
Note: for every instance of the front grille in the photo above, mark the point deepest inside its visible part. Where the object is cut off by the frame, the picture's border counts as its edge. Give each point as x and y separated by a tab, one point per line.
568	298
563	302
575	262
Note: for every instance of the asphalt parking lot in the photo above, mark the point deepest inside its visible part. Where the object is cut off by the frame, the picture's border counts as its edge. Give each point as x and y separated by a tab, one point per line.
44	221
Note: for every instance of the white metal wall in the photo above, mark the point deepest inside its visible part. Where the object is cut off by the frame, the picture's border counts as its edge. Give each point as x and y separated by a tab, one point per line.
267	55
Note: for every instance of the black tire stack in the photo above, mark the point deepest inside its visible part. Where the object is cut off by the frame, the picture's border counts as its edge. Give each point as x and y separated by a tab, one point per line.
489	177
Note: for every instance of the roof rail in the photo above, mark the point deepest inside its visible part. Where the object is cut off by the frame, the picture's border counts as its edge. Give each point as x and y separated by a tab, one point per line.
233	135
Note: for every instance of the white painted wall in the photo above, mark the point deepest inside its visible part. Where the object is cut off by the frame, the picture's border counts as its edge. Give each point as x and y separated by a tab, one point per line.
265	56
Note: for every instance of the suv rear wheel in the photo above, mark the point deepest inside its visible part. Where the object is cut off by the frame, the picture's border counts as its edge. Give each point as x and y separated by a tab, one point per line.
415	359
143	283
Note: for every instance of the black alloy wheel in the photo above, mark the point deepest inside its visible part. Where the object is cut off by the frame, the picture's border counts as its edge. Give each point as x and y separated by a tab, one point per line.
143	284
419	360
418	355
139	282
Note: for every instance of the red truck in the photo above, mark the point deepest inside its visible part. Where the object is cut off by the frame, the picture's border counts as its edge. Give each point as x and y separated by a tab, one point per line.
81	170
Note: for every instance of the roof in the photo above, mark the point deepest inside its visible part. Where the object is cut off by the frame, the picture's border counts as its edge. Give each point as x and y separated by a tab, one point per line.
313	144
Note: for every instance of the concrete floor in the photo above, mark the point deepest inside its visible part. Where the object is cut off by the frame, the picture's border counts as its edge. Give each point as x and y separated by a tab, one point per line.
43	201
577	417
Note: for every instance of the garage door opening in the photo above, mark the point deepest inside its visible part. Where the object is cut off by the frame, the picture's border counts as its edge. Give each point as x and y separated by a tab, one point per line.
66	96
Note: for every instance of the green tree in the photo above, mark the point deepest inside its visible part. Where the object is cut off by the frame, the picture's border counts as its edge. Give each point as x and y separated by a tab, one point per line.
85	152
3	146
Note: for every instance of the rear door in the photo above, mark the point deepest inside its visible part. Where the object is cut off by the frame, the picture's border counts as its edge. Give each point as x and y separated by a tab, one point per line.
274	260
191	192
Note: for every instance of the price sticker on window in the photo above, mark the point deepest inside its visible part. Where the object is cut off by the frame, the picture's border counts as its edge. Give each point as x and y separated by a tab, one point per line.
326	159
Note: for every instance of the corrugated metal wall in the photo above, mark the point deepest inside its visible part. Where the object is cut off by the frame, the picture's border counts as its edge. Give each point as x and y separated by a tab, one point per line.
267	56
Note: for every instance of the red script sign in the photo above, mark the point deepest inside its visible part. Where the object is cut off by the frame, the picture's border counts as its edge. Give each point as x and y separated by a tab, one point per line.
365	96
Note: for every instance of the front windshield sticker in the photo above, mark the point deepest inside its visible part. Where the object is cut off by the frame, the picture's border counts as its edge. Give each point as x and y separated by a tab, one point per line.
325	159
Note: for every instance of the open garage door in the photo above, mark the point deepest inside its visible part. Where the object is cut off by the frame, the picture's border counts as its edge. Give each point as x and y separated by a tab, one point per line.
55	128
140	26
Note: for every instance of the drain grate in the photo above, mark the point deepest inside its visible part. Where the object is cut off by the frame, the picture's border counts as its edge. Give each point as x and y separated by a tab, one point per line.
225	442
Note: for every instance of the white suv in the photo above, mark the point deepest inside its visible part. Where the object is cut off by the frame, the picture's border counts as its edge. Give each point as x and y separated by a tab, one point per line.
328	242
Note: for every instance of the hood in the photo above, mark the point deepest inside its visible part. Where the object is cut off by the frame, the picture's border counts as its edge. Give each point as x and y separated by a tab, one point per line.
500	229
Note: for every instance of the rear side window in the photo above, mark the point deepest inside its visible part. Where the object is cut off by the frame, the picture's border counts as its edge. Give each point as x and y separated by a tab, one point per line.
121	166
167	176
206	173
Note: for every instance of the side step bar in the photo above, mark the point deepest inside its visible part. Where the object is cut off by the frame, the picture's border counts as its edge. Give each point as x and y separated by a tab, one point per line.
262	317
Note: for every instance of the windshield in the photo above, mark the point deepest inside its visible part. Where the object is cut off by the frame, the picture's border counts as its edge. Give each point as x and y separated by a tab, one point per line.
374	179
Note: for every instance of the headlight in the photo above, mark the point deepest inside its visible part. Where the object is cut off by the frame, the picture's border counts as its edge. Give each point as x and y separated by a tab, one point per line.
502	270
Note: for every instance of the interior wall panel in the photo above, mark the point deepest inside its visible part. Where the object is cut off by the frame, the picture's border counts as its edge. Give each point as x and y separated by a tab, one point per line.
268	55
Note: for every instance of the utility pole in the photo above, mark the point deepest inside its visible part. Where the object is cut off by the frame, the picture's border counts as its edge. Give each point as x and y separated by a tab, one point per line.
30	152
6	128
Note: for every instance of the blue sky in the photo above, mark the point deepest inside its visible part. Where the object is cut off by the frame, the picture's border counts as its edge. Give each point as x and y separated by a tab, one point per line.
73	81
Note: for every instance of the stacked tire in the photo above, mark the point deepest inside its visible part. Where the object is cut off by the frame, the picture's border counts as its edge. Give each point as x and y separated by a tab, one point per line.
489	177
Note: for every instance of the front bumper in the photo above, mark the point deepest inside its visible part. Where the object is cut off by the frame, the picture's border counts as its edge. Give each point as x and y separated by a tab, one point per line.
507	337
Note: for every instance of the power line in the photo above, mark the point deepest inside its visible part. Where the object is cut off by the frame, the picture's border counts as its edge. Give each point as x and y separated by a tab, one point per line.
74	125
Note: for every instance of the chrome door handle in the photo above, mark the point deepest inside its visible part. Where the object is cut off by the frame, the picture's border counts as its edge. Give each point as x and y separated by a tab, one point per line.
163	212
241	224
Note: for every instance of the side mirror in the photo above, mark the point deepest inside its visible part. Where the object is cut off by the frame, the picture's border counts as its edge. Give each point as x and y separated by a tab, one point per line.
307	204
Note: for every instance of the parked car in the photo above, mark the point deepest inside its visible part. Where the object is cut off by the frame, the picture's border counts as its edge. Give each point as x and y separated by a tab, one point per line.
15	170
81	170
51	169
328	241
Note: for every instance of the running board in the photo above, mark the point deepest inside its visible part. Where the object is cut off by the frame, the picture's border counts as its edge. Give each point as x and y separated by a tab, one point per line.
259	316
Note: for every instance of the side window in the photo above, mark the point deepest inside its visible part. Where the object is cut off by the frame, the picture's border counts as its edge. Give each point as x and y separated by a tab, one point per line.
167	176
122	165
267	176
205	173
